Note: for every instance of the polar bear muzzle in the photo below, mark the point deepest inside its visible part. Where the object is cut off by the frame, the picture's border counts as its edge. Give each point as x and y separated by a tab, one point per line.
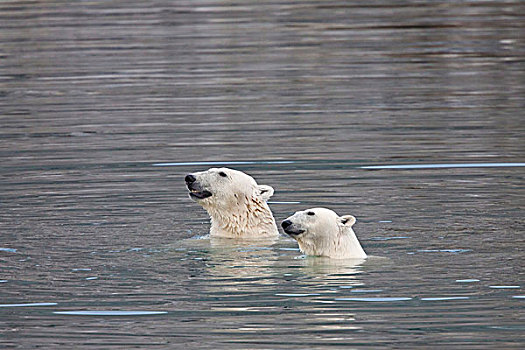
290	228
196	190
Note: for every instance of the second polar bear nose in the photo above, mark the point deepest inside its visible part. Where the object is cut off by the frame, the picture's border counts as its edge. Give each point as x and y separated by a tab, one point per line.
190	178
286	223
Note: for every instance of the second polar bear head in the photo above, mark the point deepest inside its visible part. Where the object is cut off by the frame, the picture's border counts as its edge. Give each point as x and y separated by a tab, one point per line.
236	203
321	232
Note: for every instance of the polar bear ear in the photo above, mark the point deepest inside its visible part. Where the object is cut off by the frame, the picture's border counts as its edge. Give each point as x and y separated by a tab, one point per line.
265	192
347	220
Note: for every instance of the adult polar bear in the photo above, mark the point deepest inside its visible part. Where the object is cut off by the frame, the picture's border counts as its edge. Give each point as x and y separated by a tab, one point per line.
236	204
321	232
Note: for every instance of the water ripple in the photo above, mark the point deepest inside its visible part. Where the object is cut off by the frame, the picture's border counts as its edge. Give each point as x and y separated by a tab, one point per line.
109	313
225	163
444	298
441	166
378	299
28	305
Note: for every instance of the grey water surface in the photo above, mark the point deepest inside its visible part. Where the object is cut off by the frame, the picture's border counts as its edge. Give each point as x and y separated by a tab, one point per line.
408	115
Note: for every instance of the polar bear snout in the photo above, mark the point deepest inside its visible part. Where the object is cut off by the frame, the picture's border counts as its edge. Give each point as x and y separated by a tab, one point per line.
190	179
286	223
197	192
291	229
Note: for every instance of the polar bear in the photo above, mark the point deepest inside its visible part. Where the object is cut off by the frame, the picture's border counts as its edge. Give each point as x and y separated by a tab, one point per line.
321	232
236	204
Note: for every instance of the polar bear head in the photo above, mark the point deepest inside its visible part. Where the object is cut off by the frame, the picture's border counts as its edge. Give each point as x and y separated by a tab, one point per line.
236	203
321	232
222	187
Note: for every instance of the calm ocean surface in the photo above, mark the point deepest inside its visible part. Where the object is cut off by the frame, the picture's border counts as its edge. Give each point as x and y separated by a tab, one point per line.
408	115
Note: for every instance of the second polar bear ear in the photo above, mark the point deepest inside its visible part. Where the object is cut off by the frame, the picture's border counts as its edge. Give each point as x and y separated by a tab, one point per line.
265	192
347	220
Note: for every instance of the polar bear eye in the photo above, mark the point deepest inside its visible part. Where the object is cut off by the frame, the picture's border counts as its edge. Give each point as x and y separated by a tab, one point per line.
223	174
311	213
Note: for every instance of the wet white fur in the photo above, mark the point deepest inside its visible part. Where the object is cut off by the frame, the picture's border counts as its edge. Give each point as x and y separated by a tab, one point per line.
327	234
237	207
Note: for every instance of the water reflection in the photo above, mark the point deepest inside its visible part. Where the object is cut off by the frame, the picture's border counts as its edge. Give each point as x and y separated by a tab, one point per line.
269	259
252	285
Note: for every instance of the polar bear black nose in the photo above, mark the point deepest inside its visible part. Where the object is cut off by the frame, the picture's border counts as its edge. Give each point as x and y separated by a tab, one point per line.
190	178
286	223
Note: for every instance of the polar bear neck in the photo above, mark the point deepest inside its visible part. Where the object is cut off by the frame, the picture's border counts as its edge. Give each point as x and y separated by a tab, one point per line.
344	246
246	218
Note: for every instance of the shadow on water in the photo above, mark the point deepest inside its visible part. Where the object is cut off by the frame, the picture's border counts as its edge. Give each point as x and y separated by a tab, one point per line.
407	115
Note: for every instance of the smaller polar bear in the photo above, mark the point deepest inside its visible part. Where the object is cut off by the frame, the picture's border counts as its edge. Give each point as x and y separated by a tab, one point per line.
235	202
321	232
